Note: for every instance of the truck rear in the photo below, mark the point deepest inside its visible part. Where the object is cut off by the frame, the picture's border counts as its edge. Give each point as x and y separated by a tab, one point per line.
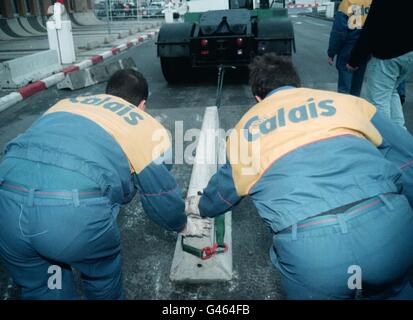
223	37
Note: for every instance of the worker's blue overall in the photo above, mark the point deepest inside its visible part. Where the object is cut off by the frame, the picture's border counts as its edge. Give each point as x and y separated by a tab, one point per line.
347	27
332	179
62	183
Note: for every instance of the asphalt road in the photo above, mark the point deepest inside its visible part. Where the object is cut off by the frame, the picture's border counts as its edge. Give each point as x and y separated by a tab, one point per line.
147	249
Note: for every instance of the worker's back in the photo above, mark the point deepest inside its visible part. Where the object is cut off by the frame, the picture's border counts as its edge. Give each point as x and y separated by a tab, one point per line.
311	151
102	138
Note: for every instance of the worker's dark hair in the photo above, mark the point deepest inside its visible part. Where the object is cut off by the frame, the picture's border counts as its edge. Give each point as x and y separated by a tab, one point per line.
269	72
129	85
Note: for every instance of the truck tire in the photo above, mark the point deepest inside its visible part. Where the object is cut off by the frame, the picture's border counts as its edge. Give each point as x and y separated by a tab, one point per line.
176	70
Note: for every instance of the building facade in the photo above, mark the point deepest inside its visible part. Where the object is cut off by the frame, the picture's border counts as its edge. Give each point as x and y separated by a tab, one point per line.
23	8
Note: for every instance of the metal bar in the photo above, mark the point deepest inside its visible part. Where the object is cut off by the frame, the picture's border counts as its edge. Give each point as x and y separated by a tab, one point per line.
107	17
221	74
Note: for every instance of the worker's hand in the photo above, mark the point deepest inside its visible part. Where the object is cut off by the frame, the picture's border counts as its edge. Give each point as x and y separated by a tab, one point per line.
351	68
197	227
330	61
192	205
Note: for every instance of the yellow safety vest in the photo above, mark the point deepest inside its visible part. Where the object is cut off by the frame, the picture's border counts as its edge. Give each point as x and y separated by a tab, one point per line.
141	137
288	120
357	11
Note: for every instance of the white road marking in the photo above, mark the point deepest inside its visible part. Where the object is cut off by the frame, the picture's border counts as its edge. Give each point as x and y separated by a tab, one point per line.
316	24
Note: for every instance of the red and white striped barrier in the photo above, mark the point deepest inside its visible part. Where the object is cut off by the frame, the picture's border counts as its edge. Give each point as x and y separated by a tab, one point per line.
40	85
299	6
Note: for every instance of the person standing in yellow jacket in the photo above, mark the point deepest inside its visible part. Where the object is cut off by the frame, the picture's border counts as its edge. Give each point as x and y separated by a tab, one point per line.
348	24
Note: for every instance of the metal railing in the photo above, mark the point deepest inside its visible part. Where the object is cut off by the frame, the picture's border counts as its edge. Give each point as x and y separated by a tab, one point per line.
132	13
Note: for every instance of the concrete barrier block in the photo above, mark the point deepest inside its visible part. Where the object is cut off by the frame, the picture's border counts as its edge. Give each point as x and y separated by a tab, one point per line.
96	74
76	80
128	63
93	44
21	71
109	39
123	34
99	73
136	29
186	267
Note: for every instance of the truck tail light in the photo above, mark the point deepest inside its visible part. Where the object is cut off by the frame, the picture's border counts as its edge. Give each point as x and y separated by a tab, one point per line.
204	47
240	42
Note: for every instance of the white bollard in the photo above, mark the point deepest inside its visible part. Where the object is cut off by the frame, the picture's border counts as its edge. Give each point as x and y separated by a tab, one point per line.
59	32
330	9
169	16
61	40
58	10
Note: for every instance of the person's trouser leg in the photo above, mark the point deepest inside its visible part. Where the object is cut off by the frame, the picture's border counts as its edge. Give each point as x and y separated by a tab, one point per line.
405	63
102	278
357	81
36	276
83	235
396	108
319	262
313	265
93	247
345	79
385	251
380	85
383	79
102	270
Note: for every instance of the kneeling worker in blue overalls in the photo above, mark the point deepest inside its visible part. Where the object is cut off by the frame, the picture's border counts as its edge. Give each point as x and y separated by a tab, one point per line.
333	180
62	183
